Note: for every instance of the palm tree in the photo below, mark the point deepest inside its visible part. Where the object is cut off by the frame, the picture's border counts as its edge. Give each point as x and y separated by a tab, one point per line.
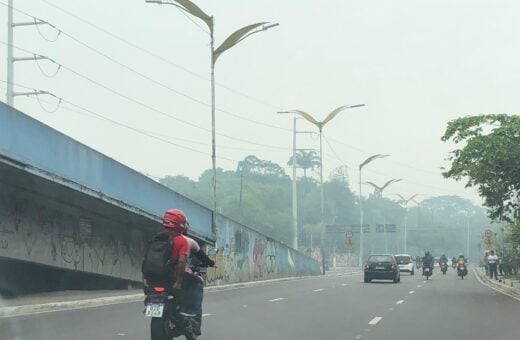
306	159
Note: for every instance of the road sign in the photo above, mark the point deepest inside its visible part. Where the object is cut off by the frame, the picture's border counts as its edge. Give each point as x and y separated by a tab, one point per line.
355	228
335	229
349	234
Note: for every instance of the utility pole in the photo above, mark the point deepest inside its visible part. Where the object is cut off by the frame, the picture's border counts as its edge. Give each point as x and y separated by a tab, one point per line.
10	61
294	190
10	94
294	181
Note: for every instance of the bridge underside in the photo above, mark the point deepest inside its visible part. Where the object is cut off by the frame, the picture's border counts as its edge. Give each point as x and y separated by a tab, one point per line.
50	225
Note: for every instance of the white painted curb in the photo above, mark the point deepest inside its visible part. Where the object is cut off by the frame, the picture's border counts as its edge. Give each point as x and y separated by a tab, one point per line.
497	287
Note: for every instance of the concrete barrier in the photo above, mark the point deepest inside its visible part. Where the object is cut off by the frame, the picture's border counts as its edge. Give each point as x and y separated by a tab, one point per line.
65	205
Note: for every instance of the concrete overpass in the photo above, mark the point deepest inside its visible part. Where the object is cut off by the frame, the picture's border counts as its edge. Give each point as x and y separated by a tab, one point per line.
64	205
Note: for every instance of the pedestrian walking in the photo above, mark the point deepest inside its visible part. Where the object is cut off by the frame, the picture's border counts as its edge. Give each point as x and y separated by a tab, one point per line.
485	260
501	264
492	262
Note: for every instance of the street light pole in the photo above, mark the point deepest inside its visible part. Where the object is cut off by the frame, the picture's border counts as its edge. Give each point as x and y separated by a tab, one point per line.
236	37
380	189
320	126
361	217
405	201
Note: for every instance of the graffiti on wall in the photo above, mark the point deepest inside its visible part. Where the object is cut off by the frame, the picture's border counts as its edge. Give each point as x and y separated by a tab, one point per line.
246	255
65	238
39	230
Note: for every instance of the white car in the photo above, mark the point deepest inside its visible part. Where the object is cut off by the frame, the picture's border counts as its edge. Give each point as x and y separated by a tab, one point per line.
405	263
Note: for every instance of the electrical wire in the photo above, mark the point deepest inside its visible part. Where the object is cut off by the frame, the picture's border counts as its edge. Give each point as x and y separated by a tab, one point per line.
154	81
156	56
37	24
144	105
41	69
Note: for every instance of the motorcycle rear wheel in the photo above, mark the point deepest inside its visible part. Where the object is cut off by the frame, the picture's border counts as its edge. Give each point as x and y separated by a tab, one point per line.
158	329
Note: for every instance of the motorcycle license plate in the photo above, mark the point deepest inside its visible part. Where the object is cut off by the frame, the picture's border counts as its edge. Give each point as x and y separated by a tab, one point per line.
380	267
427	270
154	310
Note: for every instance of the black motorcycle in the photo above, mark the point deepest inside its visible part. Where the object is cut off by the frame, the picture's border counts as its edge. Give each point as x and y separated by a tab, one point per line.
165	307
427	271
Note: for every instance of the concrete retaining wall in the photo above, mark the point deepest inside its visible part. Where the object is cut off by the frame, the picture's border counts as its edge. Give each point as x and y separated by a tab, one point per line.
246	255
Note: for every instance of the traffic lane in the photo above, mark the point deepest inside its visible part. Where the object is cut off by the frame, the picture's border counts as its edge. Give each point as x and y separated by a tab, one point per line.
285	310
451	308
104	322
329	313
126	320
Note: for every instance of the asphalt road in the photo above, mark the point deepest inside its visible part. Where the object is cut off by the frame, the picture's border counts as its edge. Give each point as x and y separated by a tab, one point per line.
331	307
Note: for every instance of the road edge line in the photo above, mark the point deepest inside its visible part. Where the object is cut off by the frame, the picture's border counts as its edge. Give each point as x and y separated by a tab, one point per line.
494	288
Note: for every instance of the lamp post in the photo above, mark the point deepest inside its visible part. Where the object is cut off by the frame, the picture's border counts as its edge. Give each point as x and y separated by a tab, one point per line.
320	126
361	237
405	202
380	190
236	37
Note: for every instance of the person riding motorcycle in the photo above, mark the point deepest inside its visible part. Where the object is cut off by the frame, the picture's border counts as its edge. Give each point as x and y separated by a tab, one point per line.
453	262
196	287
427	260
443	260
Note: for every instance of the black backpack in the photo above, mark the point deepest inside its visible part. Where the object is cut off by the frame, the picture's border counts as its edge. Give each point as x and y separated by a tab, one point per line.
157	261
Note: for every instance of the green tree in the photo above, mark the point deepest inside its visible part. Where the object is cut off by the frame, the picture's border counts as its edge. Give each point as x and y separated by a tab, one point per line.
307	160
488	160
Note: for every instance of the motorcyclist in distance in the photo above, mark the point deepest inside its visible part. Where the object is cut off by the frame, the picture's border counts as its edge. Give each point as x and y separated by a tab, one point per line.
427	260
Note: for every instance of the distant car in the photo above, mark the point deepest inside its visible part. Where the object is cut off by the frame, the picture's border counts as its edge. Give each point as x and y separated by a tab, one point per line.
405	263
381	267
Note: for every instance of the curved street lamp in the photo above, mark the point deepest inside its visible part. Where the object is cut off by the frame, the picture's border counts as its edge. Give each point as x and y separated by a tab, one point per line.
320	125
361	237
405	201
380	190
236	37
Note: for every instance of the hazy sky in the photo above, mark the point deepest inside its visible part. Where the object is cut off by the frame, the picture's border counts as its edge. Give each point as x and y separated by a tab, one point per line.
416	64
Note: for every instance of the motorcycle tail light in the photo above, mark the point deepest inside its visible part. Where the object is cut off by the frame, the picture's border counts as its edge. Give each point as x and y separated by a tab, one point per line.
159	289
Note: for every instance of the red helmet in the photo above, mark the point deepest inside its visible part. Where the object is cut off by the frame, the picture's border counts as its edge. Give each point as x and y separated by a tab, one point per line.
176	220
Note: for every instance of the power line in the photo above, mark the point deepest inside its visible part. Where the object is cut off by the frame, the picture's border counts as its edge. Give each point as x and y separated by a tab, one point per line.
154	81
156	56
142	104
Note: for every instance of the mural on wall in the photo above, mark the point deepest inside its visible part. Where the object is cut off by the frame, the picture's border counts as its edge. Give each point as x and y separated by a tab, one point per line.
246	255
37	229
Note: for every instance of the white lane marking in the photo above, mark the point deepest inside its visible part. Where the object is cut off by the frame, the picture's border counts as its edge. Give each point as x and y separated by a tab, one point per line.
424	281
390	309
419	286
375	320
399	302
245	306
359	336
121	334
318	290
204	315
411	292
344	284
277	299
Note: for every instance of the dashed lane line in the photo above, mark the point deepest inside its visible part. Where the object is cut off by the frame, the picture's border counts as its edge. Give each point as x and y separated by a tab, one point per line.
419	286
207	314
411	292
277	299
375	320
400	302
319	290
